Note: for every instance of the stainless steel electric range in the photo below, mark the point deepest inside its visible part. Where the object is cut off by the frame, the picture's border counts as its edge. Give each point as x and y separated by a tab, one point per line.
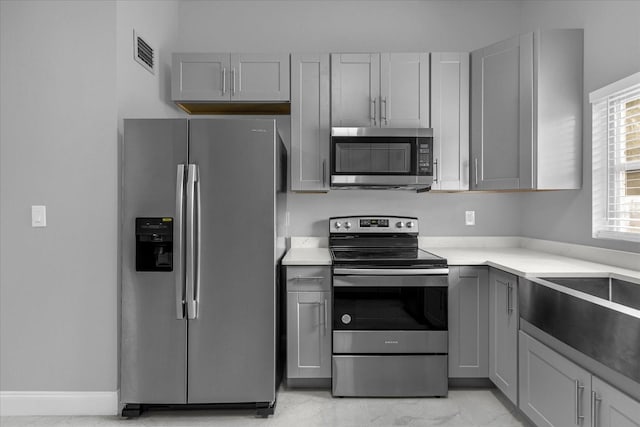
389	309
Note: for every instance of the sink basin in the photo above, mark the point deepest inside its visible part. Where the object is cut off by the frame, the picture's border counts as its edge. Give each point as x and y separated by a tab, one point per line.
606	287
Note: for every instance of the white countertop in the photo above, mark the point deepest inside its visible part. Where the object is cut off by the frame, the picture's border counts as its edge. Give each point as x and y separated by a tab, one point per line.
516	260
529	263
307	256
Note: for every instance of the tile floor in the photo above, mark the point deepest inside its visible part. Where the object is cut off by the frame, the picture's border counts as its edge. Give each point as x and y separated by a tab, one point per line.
311	408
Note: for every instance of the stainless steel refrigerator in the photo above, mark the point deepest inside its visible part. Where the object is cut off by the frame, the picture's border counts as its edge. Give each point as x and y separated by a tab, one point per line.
202	211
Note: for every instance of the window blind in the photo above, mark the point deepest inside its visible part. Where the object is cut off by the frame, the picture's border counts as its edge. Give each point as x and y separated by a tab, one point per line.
616	160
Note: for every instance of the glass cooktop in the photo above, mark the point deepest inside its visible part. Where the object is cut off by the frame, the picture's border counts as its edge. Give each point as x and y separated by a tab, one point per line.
385	256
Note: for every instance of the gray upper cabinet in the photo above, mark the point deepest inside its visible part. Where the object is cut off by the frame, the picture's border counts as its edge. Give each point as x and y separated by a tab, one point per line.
380	90
526	112
450	120
310	126
468	322
503	332
230	77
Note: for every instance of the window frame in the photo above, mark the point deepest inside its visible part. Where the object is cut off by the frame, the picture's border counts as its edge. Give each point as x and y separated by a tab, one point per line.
609	160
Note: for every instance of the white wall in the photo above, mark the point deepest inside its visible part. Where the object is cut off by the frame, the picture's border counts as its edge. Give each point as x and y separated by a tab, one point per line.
362	26
611	52
58	148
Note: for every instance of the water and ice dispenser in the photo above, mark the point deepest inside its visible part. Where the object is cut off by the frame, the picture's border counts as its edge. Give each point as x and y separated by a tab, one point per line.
154	244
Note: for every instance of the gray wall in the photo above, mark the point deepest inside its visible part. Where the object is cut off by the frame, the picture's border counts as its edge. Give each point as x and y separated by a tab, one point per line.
58	148
67	78
612	51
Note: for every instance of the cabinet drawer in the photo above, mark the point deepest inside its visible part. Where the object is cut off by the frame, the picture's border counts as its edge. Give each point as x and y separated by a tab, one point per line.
309	278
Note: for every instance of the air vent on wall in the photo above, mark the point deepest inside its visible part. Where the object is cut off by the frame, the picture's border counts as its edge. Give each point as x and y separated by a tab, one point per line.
143	53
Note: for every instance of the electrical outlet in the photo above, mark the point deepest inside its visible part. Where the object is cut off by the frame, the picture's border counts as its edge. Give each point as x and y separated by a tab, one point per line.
470	217
38	216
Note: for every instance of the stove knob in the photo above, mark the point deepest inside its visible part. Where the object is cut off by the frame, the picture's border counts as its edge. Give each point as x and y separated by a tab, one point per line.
347	225
337	224
410	224
346	319
399	224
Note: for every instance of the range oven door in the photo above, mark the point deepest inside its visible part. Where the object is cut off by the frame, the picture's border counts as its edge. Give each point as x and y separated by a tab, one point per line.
389	313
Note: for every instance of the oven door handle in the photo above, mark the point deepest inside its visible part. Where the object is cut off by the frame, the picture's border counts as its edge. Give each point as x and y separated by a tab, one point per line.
391	271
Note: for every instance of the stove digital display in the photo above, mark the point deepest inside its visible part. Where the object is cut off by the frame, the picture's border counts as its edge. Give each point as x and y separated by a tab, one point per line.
374	223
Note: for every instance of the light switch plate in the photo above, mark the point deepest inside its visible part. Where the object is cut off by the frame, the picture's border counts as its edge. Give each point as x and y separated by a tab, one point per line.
470	217
38	216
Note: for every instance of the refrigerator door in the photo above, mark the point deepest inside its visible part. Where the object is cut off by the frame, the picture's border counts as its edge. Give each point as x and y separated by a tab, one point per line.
154	333
231	350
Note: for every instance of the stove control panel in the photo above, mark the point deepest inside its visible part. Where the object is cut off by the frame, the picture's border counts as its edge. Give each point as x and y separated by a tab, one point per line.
373	224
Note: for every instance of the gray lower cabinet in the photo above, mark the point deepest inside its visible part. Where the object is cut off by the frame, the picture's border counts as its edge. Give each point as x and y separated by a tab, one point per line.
308	322
612	408
554	391
310	122
503	332
526	112
468	322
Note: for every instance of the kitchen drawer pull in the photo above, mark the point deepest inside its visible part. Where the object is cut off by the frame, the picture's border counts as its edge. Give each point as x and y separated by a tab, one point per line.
579	391
392	271
307	278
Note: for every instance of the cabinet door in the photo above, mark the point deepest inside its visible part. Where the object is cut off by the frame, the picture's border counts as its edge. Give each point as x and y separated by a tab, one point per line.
355	89
450	120
404	90
200	77
468	322
495	115
612	408
503	332
310	127
553	390
308	335
259	77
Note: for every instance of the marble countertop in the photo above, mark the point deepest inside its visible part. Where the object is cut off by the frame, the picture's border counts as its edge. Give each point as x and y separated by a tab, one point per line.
516	260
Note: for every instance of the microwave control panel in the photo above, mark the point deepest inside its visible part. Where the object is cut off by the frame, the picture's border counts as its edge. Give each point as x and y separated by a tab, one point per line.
425	148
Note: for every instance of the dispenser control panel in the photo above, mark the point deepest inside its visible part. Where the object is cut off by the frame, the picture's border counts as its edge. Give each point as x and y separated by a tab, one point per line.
154	244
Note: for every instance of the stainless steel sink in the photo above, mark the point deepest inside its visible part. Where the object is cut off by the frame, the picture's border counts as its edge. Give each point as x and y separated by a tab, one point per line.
606	287
600	320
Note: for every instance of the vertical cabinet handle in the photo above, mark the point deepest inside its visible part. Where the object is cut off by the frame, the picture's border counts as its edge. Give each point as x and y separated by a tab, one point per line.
595	403
324	172
475	169
179	237
579	391
373	112
435	170
224	80
509	297
326	318
384	100
233	81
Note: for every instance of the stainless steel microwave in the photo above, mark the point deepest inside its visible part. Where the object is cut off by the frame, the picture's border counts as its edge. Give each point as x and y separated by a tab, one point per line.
382	158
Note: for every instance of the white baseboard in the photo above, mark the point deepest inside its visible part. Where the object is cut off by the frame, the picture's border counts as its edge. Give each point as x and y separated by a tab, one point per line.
58	403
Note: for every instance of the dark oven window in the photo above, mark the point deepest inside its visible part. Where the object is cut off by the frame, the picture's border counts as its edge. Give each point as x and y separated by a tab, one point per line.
390	308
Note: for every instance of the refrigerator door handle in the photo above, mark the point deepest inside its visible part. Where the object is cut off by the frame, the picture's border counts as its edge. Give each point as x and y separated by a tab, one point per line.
192	178
178	232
